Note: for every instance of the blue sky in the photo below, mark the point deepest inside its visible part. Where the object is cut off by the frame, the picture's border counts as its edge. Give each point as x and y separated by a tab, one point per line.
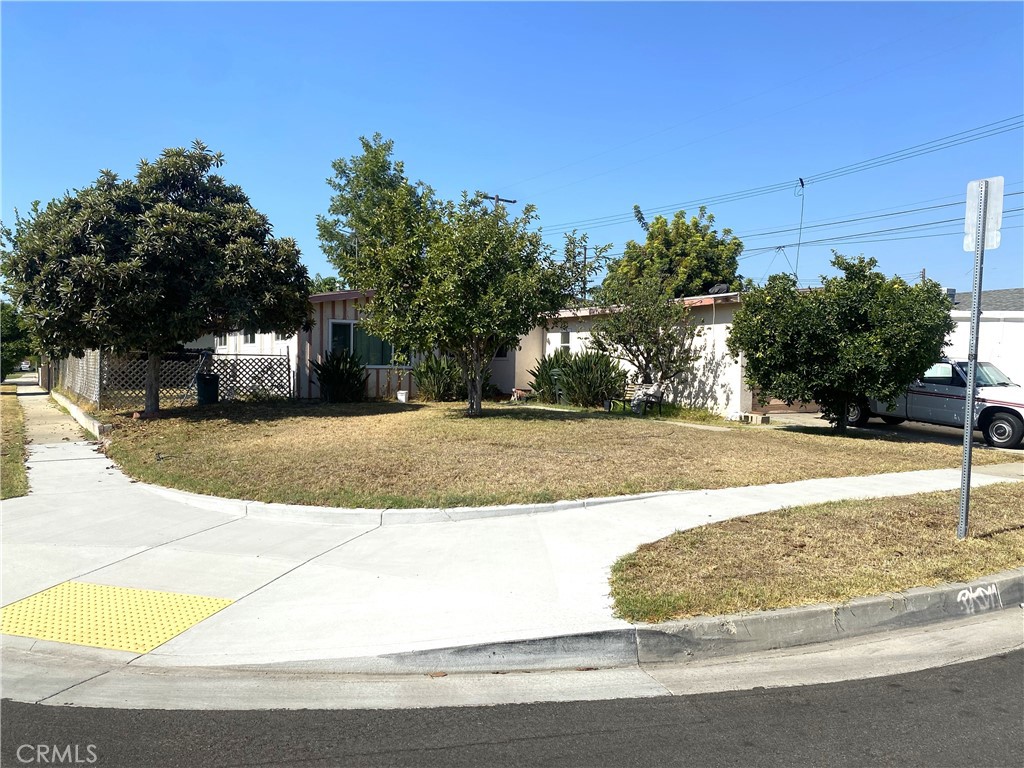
580	108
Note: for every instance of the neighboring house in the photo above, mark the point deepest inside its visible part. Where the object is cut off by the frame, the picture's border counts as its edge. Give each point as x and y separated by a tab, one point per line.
251	343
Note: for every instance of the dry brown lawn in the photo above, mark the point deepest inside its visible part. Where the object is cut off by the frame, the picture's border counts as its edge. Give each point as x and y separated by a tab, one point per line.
825	553
13	478
425	455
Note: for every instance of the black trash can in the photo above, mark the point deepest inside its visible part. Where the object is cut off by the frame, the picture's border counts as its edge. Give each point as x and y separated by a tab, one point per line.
207	388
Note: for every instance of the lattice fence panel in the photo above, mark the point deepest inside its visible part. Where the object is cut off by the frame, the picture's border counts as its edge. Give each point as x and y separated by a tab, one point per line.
242	377
79	375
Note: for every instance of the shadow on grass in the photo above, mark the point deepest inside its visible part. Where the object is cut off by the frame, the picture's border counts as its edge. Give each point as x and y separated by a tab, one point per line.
852	434
242	412
532	413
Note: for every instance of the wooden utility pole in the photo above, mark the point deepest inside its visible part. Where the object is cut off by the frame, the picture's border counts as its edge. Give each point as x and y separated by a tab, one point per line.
497	200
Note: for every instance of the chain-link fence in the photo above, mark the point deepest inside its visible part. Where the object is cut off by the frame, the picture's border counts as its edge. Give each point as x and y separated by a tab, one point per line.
119	383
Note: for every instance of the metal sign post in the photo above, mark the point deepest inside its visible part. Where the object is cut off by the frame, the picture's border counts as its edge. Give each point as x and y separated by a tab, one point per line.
982	222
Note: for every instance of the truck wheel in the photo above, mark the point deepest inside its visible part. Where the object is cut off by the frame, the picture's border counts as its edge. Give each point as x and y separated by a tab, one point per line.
1004	430
857	415
894	420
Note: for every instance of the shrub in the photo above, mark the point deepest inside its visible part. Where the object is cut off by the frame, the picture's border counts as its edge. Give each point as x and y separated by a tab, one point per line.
341	377
543	383
590	378
439	379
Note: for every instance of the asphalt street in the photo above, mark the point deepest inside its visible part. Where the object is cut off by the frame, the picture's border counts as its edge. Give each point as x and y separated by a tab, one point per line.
968	714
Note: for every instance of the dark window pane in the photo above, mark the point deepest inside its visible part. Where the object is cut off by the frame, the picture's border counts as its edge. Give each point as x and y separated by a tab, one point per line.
341	336
370	349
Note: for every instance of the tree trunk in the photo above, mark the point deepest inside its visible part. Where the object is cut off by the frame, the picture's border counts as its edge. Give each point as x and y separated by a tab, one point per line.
474	384
152	407
840	424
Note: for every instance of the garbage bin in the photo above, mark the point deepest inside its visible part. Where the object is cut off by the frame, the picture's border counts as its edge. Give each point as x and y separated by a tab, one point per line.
207	388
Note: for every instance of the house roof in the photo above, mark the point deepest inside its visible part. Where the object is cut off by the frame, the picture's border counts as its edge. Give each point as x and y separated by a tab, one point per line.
690	301
1002	300
318	298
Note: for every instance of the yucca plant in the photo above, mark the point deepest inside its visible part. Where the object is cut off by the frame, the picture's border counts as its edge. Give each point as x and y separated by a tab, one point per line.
341	376
544	381
589	378
439	378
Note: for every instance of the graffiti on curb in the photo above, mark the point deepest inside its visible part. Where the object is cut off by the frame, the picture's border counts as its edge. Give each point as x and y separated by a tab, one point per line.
983	598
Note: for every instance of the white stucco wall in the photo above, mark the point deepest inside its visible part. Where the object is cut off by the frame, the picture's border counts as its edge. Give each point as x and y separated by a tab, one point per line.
717	382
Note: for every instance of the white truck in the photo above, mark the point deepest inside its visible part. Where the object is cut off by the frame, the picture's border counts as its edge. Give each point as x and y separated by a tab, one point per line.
939	397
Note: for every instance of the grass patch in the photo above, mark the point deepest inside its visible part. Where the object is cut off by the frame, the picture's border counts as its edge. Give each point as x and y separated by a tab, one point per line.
425	455
13	478
825	553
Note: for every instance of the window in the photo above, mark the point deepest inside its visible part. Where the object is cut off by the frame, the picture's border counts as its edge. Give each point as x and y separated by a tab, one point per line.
221	340
565	341
502	353
248	337
281	337
943	373
370	349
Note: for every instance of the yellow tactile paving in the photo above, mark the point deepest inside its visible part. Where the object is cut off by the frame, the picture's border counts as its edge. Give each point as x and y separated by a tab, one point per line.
118	618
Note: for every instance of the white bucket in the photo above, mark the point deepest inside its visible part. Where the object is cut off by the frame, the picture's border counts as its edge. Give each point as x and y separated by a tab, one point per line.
403	395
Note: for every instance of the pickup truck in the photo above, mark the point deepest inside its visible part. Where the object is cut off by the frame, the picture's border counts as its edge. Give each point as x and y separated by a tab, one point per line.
939	397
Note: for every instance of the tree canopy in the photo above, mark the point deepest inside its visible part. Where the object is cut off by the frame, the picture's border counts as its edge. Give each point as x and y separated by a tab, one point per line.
646	328
461	278
15	345
688	256
859	336
152	262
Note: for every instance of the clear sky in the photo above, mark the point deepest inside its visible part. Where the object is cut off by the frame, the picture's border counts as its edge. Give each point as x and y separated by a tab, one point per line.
580	108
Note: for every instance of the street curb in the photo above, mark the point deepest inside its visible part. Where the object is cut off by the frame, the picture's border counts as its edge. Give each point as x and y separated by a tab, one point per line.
695	639
93	426
804	625
354	516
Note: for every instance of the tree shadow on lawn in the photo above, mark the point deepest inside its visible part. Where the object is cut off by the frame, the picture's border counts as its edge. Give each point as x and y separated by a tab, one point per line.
243	412
527	413
852	433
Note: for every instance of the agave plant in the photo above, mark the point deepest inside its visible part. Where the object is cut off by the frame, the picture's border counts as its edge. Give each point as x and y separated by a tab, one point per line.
438	378
589	378
341	377
547	376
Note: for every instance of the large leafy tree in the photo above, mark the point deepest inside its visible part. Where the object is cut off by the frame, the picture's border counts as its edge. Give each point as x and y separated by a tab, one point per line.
14	340
646	327
860	336
462	278
689	256
151	262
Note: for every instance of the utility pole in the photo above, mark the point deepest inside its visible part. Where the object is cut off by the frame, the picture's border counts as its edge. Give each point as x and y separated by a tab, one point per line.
499	200
922	275
585	281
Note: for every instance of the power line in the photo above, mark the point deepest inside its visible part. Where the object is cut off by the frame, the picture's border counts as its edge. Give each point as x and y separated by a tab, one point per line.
956	139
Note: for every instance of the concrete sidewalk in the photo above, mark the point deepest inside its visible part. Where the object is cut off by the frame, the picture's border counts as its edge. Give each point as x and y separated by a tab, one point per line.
358	596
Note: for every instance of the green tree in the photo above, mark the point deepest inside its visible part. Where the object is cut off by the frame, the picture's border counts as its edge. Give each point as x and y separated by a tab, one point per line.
148	263
324	284
859	336
14	339
647	328
460	277
689	256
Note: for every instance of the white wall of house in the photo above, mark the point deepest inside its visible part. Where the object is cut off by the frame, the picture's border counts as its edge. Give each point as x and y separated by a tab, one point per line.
1000	340
717	381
